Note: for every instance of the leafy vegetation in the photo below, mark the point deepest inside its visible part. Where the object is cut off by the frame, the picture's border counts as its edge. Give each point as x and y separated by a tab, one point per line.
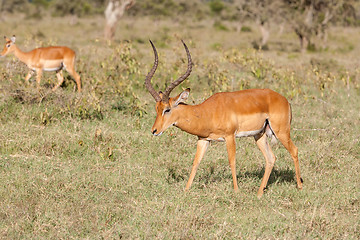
86	165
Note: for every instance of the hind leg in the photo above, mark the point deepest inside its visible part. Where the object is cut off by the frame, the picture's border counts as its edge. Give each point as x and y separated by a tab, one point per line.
284	138
231	150
70	68
77	79
60	78
264	147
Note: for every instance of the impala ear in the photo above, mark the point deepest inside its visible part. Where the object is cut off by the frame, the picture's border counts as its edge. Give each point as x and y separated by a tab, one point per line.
161	94
13	38
182	97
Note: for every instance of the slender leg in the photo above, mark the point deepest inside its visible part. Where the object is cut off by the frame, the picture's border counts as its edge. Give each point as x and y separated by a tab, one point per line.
77	79
202	145
290	146
264	147
283	135
60	78
70	67
28	76
38	77
231	150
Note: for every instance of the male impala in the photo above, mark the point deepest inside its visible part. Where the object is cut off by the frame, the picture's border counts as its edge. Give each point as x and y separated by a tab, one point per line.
53	58
224	116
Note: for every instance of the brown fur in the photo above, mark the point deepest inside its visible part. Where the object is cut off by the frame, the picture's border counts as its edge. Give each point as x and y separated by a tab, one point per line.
224	116
53	58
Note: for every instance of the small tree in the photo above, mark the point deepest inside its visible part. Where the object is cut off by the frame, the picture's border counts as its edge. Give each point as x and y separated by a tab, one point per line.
113	12
263	12
311	18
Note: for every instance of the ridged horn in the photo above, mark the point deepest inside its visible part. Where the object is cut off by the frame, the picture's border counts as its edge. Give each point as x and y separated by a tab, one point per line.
168	90
148	85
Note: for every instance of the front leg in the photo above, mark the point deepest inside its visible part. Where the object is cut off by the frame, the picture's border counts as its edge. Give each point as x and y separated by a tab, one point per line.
28	76
202	145
38	77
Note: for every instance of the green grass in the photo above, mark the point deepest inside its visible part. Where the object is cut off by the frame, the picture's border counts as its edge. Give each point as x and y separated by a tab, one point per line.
86	166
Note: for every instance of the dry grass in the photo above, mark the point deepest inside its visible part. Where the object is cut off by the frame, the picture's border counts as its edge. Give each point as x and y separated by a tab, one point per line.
86	166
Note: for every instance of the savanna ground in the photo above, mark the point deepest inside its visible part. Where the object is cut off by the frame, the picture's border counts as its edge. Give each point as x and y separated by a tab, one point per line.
86	165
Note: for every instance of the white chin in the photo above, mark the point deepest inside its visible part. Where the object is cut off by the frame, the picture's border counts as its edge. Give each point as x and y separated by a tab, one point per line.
159	134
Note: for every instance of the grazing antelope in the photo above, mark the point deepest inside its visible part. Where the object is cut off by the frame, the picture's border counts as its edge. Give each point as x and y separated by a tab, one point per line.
223	117
53	58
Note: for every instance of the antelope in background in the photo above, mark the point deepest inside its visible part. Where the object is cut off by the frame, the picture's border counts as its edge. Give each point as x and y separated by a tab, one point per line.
223	117
53	58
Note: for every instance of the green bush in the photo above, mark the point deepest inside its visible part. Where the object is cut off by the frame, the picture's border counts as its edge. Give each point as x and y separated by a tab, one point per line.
216	6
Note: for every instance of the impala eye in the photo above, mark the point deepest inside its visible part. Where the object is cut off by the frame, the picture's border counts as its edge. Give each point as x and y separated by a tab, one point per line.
167	110
8	45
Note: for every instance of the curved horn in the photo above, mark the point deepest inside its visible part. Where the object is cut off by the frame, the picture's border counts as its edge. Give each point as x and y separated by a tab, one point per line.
180	79
150	75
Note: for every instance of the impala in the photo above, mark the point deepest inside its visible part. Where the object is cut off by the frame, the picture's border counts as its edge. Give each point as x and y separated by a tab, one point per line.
53	58
223	117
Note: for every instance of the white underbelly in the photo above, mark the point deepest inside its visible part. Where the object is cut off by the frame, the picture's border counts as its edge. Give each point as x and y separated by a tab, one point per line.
52	69
220	139
239	134
249	133
49	69
49	65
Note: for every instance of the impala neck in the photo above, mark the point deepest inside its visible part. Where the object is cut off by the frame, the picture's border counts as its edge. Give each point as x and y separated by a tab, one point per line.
191	119
22	56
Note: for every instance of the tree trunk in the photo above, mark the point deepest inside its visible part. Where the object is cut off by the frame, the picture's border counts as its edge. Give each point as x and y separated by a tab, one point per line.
304	40
113	12
281	29
304	28
322	31
265	33
1	12
304	43
238	27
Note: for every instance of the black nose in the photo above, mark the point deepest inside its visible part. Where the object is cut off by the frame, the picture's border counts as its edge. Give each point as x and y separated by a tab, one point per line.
153	132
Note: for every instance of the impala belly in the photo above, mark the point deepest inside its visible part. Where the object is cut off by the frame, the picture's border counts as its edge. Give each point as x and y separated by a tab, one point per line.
49	65
219	139
249	133
52	69
251	125
240	132
52	65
